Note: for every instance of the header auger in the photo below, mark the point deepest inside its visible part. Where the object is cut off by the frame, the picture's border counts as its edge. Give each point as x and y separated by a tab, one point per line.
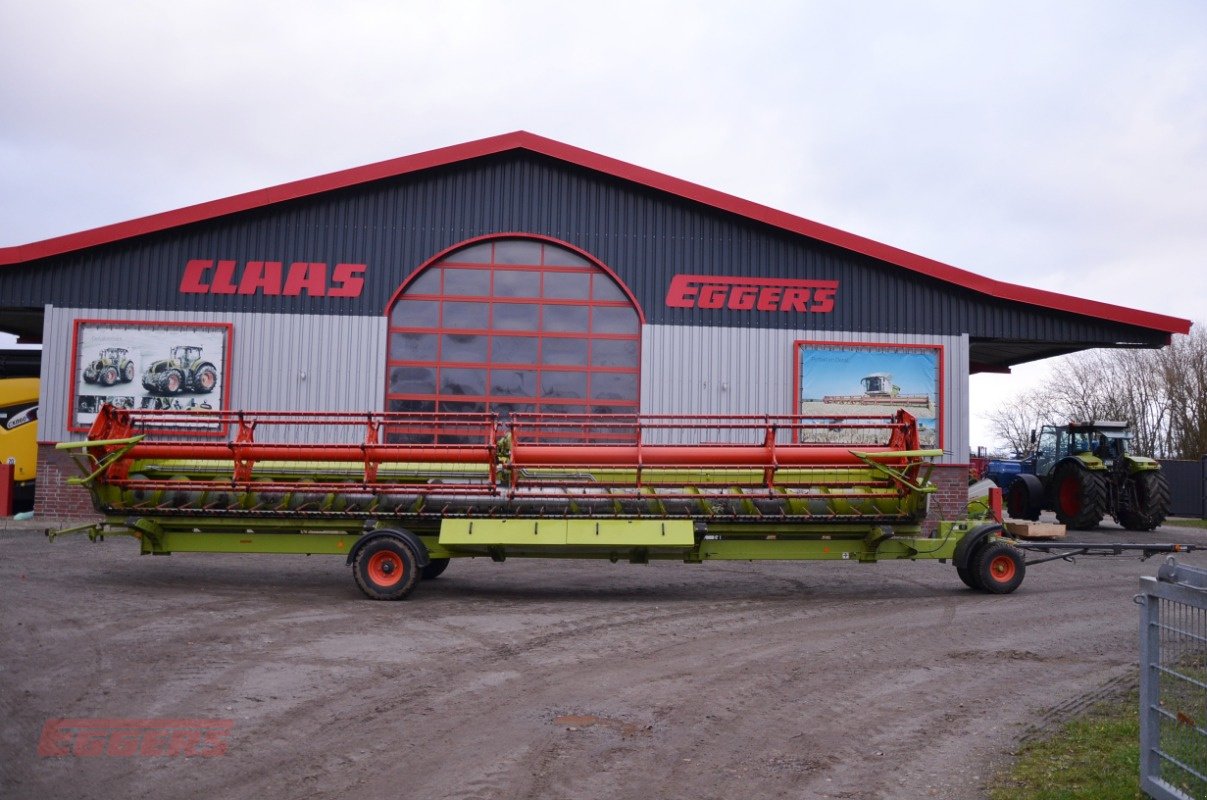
399	495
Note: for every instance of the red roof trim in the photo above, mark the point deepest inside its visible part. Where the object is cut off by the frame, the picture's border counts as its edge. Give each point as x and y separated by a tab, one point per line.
522	140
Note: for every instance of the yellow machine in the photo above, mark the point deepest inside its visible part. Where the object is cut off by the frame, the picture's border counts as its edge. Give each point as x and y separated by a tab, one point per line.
19	436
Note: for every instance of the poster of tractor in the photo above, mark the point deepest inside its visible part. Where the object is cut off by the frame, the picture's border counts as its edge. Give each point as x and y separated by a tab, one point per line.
837	379
158	365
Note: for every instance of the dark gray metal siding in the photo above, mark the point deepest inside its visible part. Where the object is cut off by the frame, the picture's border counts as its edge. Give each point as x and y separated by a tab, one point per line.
1187	487
393	226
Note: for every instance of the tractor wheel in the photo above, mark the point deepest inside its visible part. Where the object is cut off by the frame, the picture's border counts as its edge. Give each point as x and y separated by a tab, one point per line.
173	382
1079	497
108	376
999	568
386	569
1147	500
435	568
89	377
1025	498
206	380
128	372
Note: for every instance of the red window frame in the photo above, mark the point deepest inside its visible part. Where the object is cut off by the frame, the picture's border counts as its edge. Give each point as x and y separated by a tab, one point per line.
447	264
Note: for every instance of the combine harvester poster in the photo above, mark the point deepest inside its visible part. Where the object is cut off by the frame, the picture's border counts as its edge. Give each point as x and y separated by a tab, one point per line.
842	379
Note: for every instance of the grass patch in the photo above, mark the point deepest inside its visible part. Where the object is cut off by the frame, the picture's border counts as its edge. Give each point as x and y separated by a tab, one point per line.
1096	756
1186	522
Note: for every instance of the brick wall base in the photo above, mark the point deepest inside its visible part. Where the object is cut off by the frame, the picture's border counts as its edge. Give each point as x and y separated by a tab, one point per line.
950	502
54	497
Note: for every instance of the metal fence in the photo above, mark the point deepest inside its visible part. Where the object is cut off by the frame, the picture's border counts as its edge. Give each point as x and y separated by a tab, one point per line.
1173	683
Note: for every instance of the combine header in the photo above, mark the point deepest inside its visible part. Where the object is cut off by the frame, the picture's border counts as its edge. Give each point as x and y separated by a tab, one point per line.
399	495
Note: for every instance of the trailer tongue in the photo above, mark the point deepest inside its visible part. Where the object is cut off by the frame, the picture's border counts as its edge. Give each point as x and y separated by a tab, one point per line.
400	495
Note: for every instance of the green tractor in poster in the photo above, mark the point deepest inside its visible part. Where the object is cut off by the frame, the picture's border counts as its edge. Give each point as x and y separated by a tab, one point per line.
184	371
111	365
1082	471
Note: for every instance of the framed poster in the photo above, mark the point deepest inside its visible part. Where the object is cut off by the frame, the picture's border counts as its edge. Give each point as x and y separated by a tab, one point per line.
839	378
150	365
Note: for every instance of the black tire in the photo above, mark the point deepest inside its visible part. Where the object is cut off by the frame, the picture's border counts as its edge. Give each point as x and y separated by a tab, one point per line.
1025	498
386	569
968	575
173	382
999	567
108	376
206	379
1078	496
128	372
434	569
89	379
1145	503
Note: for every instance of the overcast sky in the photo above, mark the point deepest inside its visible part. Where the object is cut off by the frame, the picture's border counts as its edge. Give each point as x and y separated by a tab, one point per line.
1057	145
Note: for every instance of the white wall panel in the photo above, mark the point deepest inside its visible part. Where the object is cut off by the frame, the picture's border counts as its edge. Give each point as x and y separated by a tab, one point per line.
280	362
718	370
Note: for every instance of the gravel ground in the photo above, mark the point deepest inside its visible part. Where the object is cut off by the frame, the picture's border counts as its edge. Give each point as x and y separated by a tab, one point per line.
557	679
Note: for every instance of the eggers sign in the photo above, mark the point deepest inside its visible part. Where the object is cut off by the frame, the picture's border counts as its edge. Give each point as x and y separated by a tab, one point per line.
752	294
205	276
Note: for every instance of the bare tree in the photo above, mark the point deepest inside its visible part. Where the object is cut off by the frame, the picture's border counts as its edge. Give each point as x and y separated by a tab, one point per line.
1162	394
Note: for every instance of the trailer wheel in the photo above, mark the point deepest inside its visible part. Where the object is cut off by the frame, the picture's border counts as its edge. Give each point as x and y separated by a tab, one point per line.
386	569
968	575
435	568
999	568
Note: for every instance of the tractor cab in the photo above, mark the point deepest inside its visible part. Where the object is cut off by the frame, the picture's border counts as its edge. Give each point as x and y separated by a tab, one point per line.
113	353
1103	440
186	354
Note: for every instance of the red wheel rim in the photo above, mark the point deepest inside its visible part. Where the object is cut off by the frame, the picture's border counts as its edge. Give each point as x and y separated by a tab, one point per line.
207	380
1070	495
385	568
1002	569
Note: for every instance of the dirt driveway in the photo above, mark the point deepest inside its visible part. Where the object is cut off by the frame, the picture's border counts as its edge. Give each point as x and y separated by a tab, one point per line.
535	679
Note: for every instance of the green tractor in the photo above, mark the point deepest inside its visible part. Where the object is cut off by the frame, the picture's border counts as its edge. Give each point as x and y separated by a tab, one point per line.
1082	471
185	371
111	365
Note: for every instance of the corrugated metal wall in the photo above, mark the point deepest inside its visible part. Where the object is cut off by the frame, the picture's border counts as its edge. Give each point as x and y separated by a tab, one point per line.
693	370
343	359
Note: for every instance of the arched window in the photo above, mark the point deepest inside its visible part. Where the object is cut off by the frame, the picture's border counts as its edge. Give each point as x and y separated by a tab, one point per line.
514	325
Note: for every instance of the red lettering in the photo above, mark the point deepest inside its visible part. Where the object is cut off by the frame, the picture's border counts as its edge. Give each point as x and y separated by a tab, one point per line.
261	277
742	298
823	300
204	276
193	281
746	294
224	278
795	299
682	293
311	276
346	280
769	298
712	296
